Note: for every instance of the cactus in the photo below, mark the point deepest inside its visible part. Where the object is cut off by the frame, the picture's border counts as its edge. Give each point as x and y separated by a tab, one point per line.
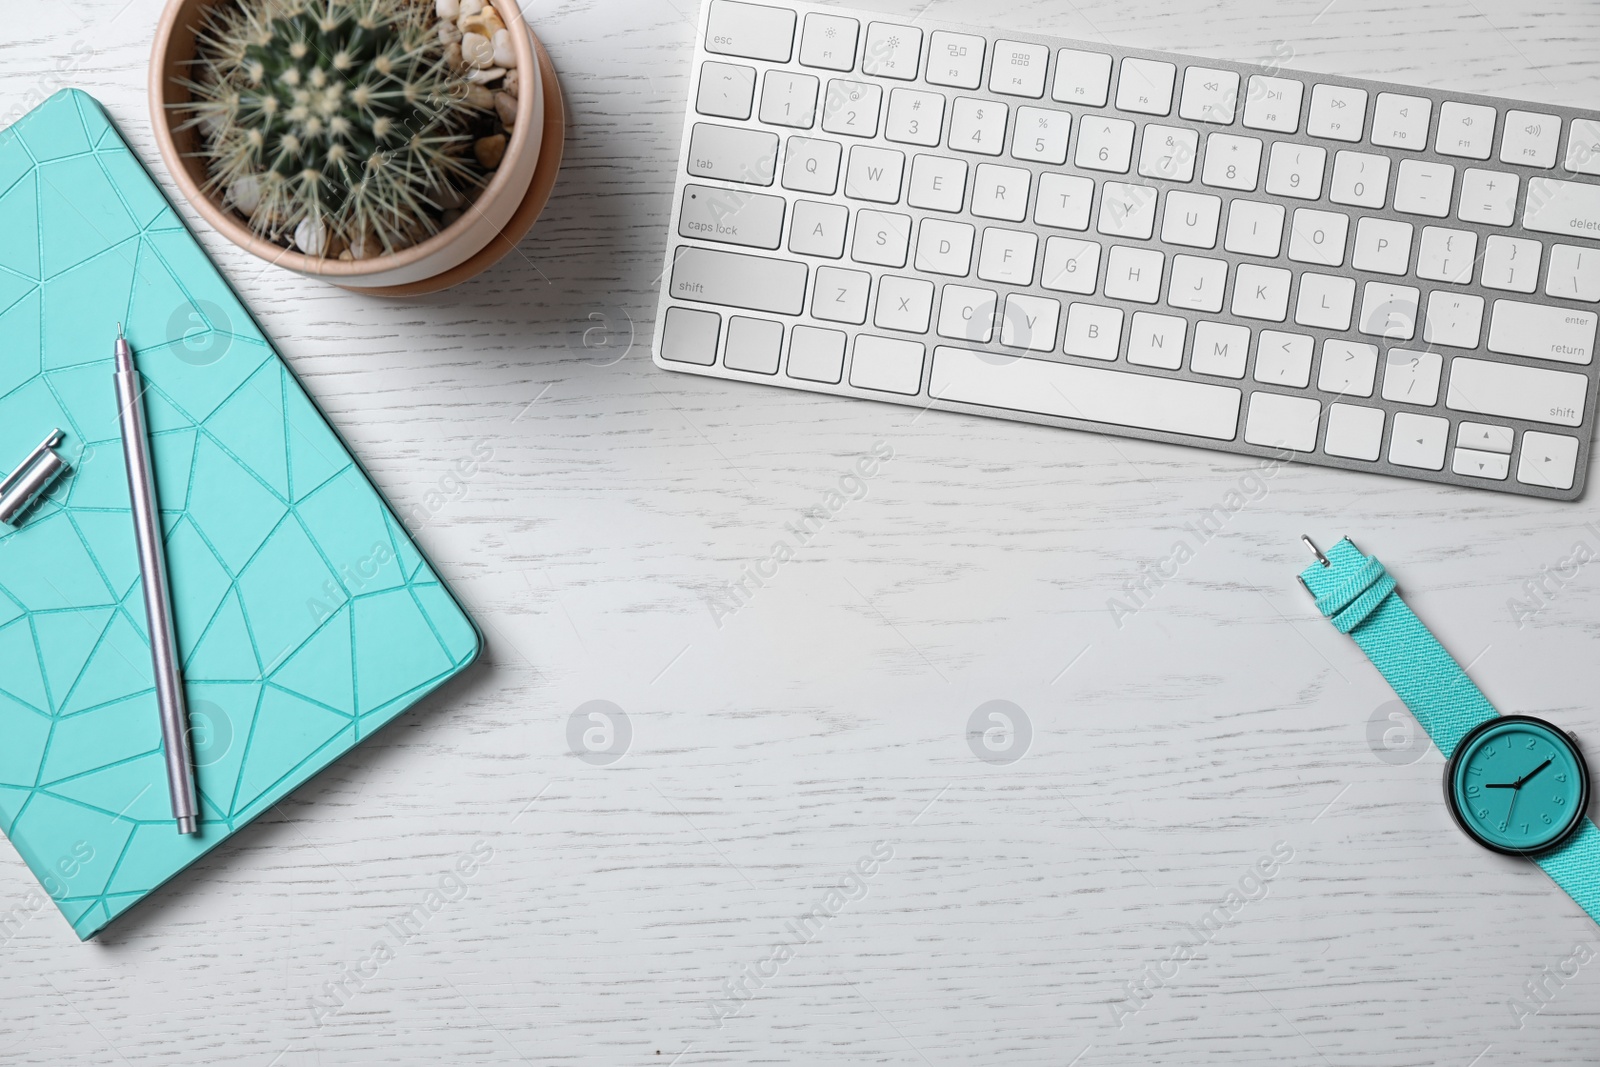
333	123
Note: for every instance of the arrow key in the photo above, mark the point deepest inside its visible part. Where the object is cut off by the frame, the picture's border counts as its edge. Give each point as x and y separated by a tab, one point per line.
1418	441
1475	464
1548	459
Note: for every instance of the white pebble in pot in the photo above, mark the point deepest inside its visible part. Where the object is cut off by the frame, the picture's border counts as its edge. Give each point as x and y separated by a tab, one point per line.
476	50
504	54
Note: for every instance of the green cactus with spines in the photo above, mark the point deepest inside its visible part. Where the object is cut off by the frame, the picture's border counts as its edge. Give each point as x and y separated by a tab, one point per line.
347	113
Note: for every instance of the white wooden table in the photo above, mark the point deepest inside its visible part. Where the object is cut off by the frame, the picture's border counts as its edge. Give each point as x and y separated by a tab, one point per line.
625	906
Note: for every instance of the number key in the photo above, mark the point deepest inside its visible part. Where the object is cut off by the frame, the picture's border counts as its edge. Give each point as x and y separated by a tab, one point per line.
1041	135
1232	162
914	117
789	99
852	108
1104	144
978	126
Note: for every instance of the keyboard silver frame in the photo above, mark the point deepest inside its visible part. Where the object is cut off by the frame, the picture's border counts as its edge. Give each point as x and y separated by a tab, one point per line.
1247	385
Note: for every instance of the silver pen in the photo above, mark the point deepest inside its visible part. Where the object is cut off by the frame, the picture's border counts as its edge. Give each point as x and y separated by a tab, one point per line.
157	598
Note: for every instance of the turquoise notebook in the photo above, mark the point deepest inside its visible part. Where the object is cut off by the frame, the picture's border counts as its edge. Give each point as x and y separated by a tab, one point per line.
306	616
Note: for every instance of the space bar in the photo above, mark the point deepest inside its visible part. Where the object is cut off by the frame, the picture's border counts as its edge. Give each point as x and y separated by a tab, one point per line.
1074	392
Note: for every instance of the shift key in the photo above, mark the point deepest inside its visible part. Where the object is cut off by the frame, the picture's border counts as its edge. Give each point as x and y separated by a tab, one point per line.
1514	392
704	275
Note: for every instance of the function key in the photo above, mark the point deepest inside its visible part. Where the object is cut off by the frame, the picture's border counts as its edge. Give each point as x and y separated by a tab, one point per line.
1583	146
1209	95
1082	78
1530	139
1018	69
1401	121
955	59
892	51
753	31
1338	113
1146	86
1273	104
829	42
1465	130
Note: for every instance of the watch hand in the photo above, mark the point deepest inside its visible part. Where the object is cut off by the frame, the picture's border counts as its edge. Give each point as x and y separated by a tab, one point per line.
1501	785
1530	774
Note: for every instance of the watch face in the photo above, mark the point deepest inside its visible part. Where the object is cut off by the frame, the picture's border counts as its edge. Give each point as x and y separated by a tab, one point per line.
1517	784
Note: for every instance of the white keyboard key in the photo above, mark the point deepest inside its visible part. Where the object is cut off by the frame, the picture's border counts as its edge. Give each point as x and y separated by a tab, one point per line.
915	117
1423	188
841	295
887	365
1283	421
1191	219
874	174
1318	237
1485	438
1261	292
1482	387
816	355
707	276
1209	95
1221	349
731	154
1510	263
1530	139
1480	464
1388	311
882	238
1296	170
1030	322
1562	207
1168	152
955	59
1273	104
967	314
1354	432
945	247
1412	377
1093	332
1070	391
1383	246
1156	340
754	31
1134	274
1359	179
1000	192
1454	319
1446	255
1104	144
727	90
818	229
754	345
1197	284
938	183
1574	273
1338	113
1488	196
1126	210
829	42
1283	359
1018	69
1583	146
1325	301
892	51
731	216
1041	135
1070	266
1232	162
1082	78
1548	459
1542	332
904	304
1145	86
1007	256
1255	228
1400	121
789	99
1065	201
1465	130
978	126
811	165
1349	368
690	336
1419	441
852	108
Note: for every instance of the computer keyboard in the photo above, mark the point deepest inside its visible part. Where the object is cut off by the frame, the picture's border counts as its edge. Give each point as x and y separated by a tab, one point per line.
1263	261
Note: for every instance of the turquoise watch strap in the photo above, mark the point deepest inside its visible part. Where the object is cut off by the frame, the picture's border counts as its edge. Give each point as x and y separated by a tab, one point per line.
1358	596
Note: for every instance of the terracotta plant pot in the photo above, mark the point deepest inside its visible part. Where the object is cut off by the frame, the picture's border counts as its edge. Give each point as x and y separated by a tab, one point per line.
490	228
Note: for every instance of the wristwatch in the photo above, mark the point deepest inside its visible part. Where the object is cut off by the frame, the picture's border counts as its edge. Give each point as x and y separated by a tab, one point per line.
1514	783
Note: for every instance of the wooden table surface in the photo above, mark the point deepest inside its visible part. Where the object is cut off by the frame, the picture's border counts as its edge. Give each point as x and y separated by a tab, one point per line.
809	753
